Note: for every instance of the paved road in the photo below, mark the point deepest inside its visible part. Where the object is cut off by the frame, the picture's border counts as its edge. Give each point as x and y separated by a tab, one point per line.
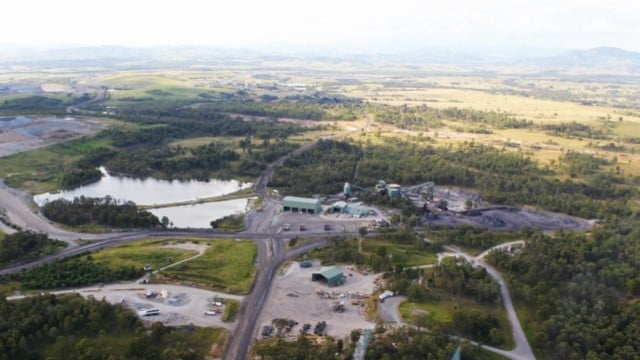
388	309
247	330
15	203
271	256
523	349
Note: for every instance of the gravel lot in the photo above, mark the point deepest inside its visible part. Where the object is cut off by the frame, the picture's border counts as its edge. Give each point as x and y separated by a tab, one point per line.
182	306
294	296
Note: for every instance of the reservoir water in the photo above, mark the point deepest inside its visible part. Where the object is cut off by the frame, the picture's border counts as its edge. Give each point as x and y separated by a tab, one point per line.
200	215
152	191
147	191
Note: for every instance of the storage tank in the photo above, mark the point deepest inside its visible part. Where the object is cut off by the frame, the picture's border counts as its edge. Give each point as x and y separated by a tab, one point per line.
347	190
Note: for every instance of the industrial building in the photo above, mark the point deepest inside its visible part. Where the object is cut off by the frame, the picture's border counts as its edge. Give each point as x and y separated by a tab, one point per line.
332	275
300	204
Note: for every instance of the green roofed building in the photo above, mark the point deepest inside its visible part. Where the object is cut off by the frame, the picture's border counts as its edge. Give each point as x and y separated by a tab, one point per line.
332	275
299	204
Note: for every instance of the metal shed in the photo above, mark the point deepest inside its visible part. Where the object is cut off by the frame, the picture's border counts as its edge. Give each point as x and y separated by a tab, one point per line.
332	275
306	205
339	207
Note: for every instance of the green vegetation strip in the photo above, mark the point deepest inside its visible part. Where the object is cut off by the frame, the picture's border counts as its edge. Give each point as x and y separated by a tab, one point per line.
231	309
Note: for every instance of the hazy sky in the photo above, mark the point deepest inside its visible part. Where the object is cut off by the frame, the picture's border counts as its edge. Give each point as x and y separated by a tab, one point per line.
465	24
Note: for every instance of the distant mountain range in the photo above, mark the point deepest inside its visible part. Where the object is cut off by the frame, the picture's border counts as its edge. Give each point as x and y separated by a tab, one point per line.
602	60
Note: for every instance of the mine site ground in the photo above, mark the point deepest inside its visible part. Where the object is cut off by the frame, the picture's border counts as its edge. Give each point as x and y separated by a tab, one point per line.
21	133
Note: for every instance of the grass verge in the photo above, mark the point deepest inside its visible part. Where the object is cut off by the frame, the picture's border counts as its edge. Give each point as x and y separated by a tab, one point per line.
231	309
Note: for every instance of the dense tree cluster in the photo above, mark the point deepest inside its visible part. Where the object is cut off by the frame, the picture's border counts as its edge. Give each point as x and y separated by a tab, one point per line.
41	104
32	104
78	271
70	327
581	291
459	278
320	170
478	325
475	238
423	117
301	349
575	129
409	343
26	245
578	164
104	211
79	176
145	151
229	223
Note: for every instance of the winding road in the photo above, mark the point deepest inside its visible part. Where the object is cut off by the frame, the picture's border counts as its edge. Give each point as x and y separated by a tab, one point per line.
523	350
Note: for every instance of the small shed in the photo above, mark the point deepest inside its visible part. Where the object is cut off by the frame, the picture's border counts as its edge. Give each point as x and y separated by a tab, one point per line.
340	207
300	204
332	275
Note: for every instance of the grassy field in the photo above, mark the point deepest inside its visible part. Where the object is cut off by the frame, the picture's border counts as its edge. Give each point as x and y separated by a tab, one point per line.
406	254
227	266
138	254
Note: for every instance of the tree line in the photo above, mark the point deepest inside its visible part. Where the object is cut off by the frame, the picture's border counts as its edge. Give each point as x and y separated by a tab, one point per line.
103	211
23	246
70	327
73	272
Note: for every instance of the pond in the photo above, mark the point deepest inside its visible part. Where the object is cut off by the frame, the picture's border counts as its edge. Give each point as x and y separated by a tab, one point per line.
148	191
200	215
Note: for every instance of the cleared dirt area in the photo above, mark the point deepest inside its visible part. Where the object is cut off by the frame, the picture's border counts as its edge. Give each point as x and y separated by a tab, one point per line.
22	133
294	296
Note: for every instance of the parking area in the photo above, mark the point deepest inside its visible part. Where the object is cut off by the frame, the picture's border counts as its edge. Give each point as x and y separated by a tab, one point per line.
176	305
335	223
297	304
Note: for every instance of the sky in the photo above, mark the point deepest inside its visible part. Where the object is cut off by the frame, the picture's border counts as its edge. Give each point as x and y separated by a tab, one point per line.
333	24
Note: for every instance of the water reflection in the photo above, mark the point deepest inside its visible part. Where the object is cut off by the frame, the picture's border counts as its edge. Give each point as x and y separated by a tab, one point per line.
147	191
200	215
